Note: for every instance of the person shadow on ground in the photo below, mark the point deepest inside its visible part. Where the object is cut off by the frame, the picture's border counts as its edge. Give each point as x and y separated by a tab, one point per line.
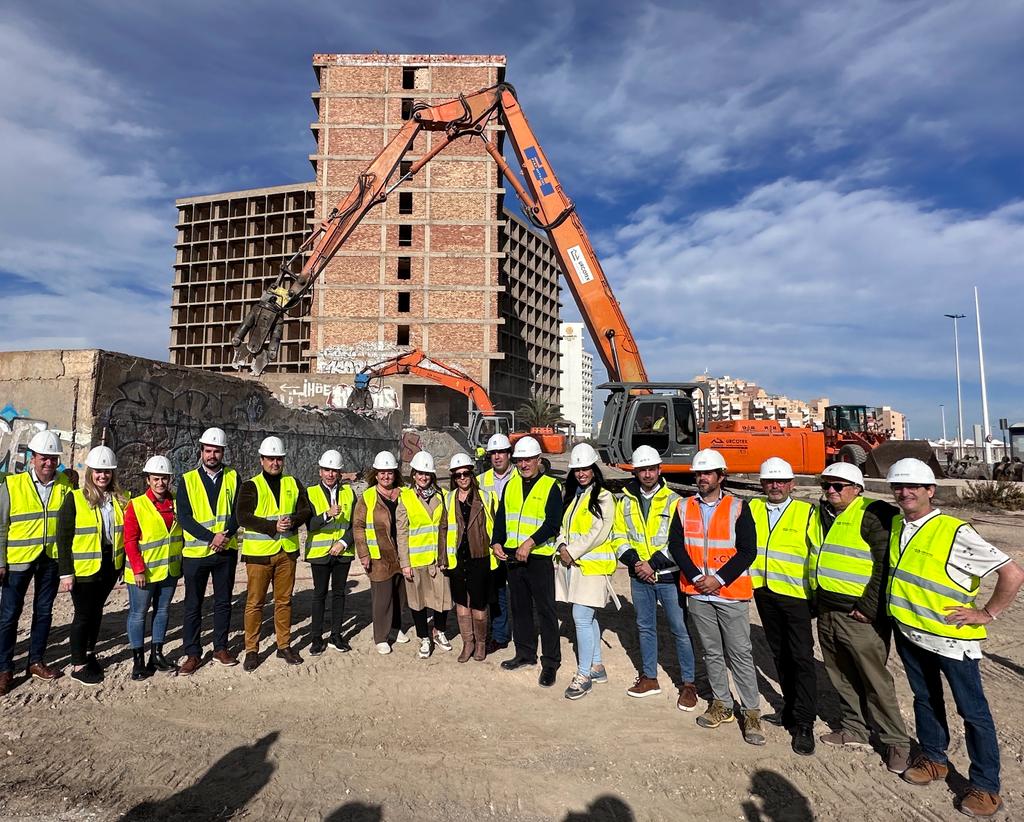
355	812
780	801
224	790
605	808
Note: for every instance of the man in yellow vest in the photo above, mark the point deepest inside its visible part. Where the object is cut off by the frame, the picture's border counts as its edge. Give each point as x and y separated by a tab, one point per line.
492	482
936	566
851	539
525	527
205	507
29	504
272	506
781	579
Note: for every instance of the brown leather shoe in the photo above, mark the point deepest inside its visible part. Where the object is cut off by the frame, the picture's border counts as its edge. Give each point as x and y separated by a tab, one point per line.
979	804
687	697
289	656
40	670
644	686
189	666
252	661
6	678
922	771
225	657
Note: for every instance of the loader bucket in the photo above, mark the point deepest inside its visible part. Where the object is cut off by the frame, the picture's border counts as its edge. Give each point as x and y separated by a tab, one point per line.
883	455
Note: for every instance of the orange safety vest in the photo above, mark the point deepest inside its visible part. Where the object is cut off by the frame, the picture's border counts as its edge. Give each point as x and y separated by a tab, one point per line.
710	551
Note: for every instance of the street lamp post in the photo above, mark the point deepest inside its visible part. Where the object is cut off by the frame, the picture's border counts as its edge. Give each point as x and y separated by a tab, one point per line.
959	396
942	409
984	392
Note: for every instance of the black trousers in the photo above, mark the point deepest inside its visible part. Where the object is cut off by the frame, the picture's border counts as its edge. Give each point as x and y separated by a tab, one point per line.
787	627
197	572
331	574
419	619
89	597
532	585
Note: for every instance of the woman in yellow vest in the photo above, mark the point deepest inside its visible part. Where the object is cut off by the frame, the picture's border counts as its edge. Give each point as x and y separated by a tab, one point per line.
90	553
152	546
588	559
467	559
422	537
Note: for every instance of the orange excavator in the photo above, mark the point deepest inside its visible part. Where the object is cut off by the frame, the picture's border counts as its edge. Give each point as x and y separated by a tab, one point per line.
671	416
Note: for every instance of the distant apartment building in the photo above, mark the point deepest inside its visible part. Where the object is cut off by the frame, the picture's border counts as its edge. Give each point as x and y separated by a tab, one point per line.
577	378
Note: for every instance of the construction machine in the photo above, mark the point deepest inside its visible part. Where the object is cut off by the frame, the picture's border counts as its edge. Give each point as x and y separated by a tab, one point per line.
851	436
670	416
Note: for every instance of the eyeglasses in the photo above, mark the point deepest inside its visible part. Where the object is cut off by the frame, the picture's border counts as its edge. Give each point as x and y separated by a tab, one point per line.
836	486
777	482
462	474
906	487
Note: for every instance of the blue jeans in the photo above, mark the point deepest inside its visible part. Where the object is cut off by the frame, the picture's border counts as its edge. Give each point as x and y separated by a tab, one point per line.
645	601
12	599
499	624
160	595
964	678
588	638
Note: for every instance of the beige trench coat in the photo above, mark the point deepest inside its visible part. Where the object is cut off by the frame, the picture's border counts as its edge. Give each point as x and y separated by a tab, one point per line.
571	585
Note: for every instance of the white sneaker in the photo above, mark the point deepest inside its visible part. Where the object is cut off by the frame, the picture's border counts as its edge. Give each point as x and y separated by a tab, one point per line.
402	638
383	648
425	648
443	642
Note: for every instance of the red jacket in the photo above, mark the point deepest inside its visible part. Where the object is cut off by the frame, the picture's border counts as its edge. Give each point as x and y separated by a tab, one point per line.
132	531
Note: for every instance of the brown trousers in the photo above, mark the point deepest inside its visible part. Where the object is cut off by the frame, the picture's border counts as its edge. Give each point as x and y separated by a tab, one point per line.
280	572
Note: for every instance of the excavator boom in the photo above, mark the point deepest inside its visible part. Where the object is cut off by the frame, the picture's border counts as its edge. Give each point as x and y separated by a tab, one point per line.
418	364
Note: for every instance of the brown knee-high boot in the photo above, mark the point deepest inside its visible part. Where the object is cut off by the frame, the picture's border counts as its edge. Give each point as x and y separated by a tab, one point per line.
466	632
479	619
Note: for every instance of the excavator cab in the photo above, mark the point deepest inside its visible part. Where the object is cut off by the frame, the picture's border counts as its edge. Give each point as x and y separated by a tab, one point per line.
483	426
666	416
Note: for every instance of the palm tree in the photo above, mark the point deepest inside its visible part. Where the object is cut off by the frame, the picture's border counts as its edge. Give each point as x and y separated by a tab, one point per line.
538	412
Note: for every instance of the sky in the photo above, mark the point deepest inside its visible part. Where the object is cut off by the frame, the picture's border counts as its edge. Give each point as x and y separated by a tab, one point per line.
792	193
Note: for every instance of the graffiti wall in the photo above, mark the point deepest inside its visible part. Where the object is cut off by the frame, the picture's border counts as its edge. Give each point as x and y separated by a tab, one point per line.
351	359
16	429
297	392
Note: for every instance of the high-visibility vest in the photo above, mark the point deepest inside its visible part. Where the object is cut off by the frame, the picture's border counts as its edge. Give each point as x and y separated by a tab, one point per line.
370	498
783	552
578	520
424	528
33	527
710	550
842	562
646	537
920	588
202	513
255	544
319	542
160	547
87	546
452	536
489	486
524	516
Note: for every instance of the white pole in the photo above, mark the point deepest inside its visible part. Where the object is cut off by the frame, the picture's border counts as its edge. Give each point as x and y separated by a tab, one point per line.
959	396
984	393
942	408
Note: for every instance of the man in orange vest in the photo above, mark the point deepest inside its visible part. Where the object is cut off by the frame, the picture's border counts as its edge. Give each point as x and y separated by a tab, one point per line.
713	540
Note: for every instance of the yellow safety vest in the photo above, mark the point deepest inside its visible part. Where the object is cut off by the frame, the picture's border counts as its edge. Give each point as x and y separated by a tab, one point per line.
87	546
488	486
645	537
33	527
577	521
524	517
843	562
424	528
920	588
451	537
319	542
196	548
255	544
160	547
783	552
370	498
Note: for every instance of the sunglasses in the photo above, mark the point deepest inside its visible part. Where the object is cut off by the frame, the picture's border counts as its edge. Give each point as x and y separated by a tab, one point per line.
836	486
462	474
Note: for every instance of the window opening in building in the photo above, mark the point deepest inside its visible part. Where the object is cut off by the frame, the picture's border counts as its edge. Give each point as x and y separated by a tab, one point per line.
404	167
406	108
404	300
408	77
405	234
405	202
402	338
405	268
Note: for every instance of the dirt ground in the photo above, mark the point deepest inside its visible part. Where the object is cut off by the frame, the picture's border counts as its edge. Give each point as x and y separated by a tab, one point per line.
361	736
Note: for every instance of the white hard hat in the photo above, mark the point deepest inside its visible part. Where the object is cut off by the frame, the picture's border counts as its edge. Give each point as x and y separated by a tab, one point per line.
526	447
708	459
46	443
272	447
910	471
776	468
330	459
583	456
385	461
101	458
844	471
158	465
215	437
423	462
644	457
498	442
460	460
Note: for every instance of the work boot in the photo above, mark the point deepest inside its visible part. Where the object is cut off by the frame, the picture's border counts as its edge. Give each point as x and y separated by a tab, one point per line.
479	636
157	660
922	771
752	731
468	638
140	670
978	803
717	714
803	740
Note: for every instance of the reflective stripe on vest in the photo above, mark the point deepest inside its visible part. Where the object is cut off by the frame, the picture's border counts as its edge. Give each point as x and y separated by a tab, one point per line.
160	547
370	498
204	515
33	528
523	517
843	563
87	546
319	542
424	528
452	536
783	552
711	550
577	521
920	588
630	531
255	544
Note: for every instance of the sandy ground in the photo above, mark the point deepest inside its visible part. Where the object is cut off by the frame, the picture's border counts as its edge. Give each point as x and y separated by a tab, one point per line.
361	736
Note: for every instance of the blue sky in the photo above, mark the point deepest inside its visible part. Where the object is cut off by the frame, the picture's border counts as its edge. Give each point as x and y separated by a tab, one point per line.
789	192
